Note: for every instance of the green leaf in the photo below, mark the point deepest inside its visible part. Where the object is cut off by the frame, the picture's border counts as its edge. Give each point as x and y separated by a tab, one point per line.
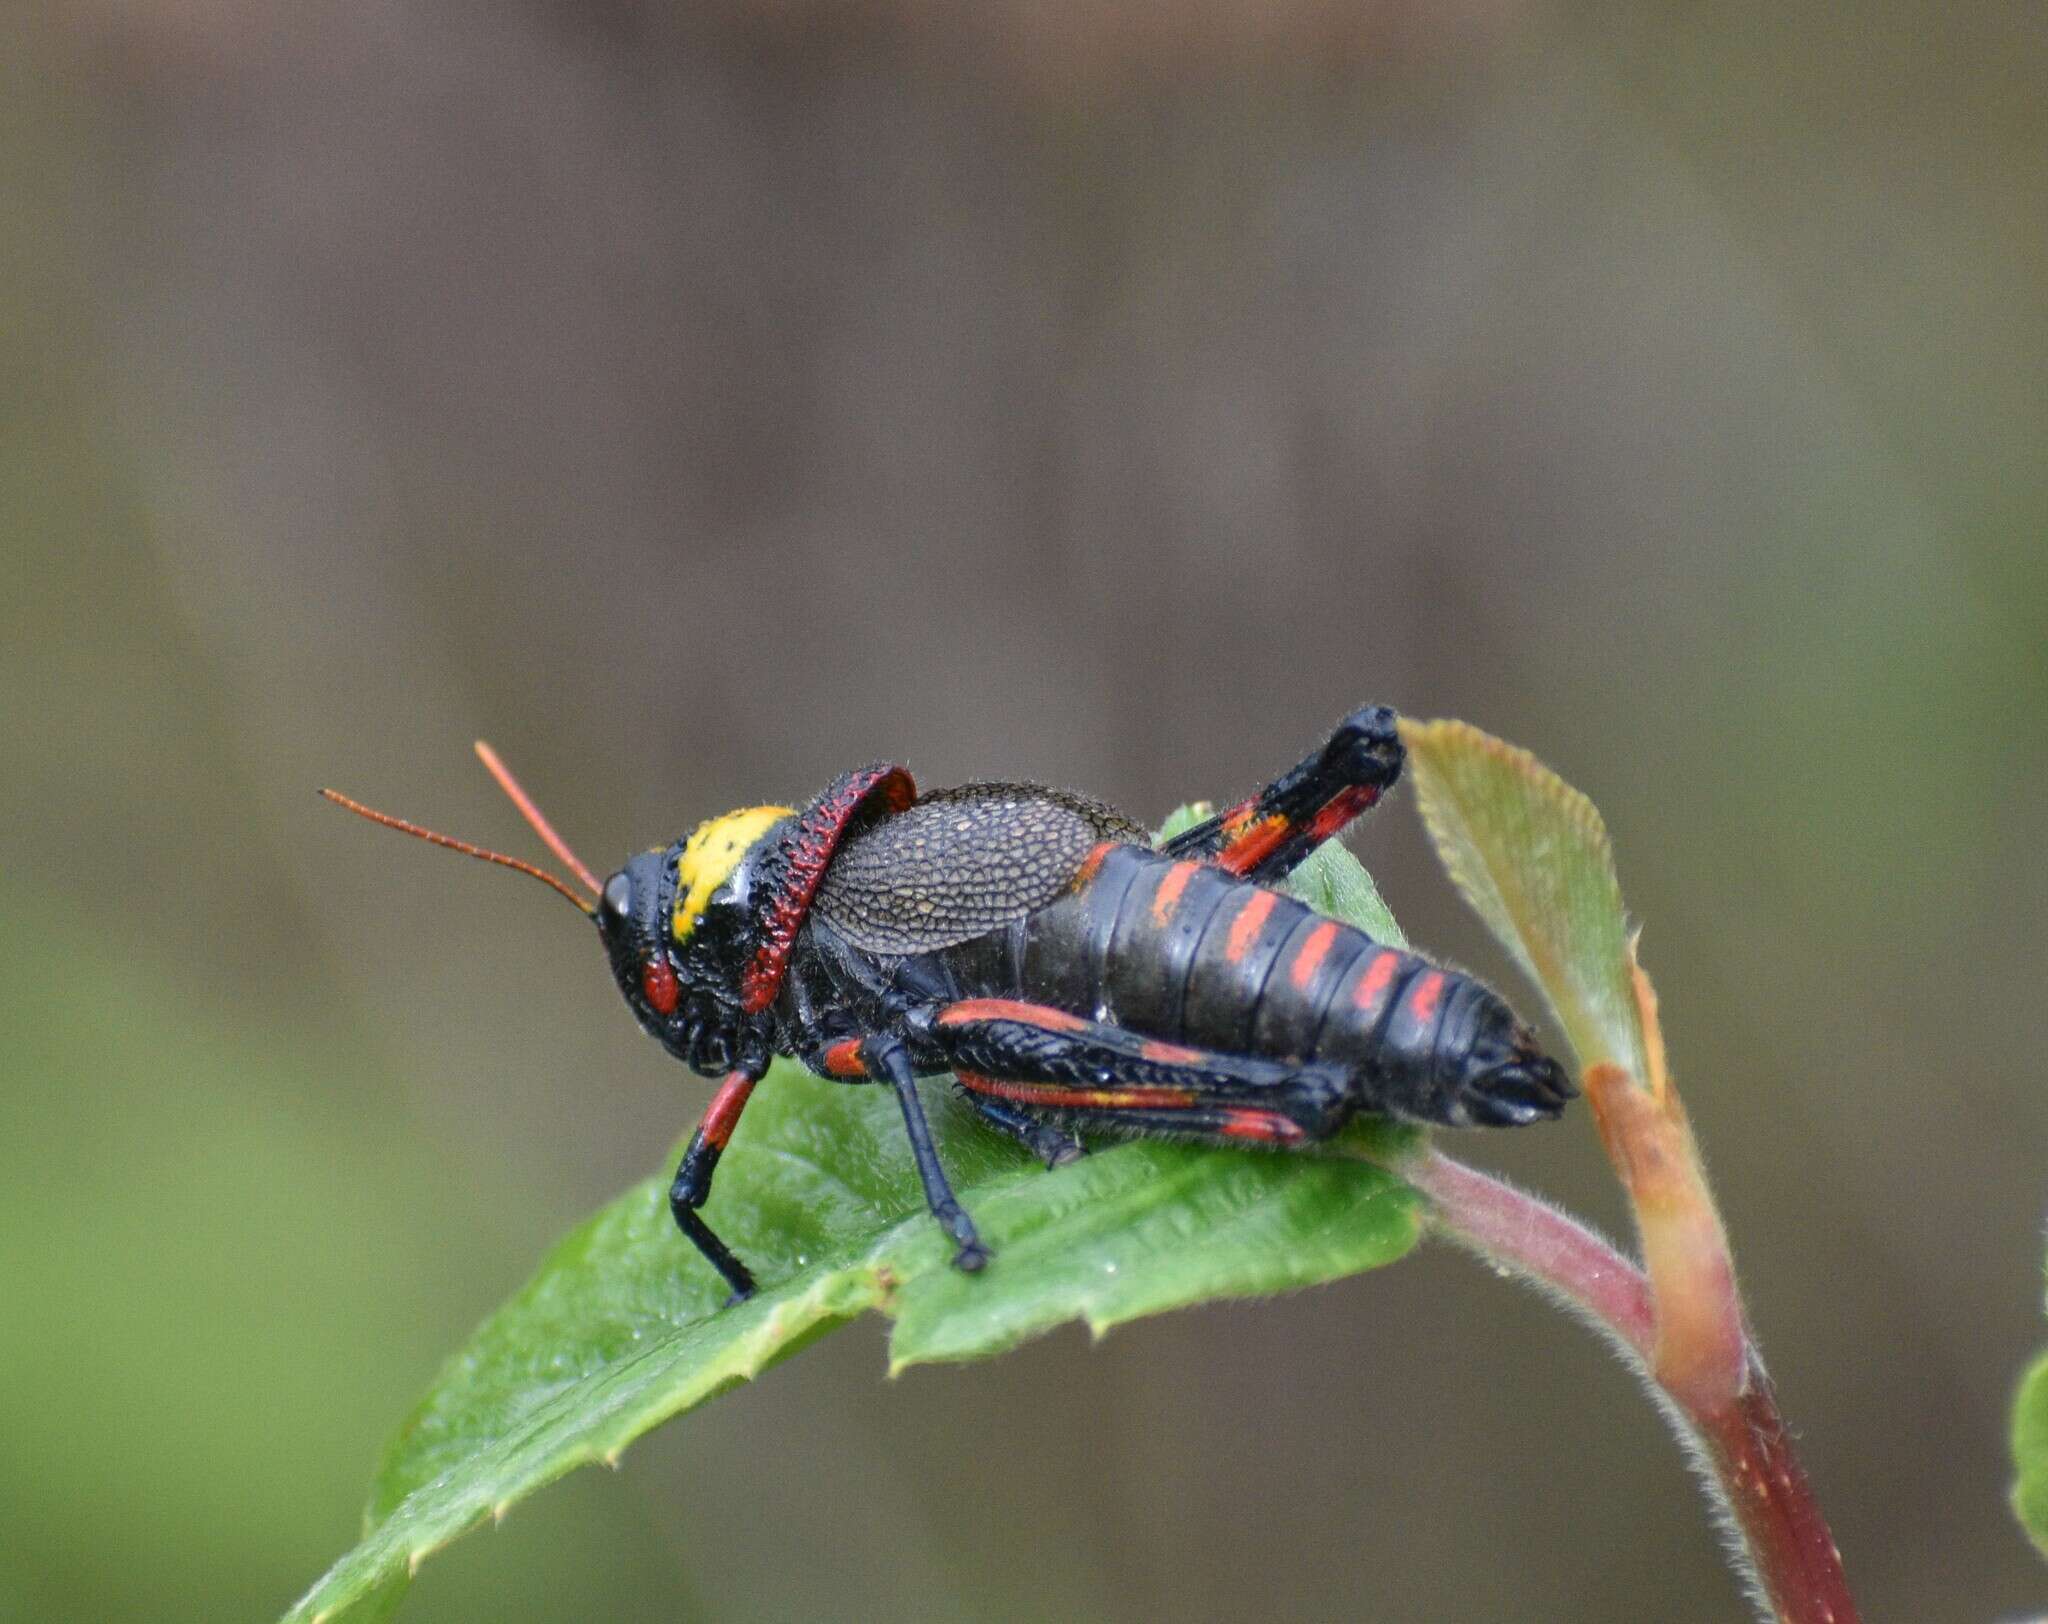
1334	882
622	1327
1531	855
1183	818
2030	1453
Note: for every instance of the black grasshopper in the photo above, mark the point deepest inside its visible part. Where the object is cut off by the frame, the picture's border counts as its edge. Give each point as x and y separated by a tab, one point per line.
1071	975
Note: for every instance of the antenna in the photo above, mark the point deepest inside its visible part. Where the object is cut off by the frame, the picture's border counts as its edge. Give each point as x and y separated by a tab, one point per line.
469	850
527	810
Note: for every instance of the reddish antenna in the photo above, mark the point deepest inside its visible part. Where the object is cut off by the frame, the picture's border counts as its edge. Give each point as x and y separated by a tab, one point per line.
463	846
527	810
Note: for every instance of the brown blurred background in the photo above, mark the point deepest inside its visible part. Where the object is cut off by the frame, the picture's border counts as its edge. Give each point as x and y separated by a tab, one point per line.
698	400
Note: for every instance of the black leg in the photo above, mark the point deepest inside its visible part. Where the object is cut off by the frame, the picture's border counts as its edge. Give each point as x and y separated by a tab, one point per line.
1263	838
736	1273
1042	1139
692	1187
887	1058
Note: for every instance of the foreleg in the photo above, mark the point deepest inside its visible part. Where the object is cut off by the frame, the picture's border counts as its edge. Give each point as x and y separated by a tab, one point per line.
692	1186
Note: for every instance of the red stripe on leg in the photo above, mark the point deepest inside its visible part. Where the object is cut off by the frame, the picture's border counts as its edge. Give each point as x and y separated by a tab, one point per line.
1261	1127
842	1059
1259	841
1009	1009
1058	1096
723	1114
1340	809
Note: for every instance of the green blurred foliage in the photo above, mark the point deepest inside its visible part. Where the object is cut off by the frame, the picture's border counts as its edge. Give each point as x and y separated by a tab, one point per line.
180	1228
2030	1453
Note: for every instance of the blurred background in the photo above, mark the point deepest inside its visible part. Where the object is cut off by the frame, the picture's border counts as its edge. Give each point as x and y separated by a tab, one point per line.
696	400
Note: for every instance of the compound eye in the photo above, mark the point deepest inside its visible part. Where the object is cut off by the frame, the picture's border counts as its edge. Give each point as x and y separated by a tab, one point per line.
618	896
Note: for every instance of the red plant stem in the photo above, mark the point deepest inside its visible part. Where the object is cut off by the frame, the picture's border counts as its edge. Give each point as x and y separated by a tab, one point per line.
1515	1229
1743	1443
1765	1487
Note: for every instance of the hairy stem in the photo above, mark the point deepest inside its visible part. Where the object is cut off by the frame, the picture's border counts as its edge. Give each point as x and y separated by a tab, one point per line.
1743	1444
1765	1487
1515	1230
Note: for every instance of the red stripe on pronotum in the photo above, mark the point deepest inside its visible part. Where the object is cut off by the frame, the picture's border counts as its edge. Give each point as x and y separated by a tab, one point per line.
820	828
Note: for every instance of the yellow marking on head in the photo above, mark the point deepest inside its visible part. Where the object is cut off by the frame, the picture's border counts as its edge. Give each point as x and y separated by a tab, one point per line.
711	854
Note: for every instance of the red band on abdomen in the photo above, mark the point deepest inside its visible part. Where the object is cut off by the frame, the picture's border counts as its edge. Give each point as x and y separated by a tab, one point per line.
1379	975
1422	1000
1308	958
1244	929
1167	897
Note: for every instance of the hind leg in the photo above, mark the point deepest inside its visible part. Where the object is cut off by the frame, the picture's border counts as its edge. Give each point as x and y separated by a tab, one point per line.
1263	838
1238	1125
1042	1059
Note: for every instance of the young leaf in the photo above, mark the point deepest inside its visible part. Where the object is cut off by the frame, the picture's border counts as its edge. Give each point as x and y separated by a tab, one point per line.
622	1327
1531	855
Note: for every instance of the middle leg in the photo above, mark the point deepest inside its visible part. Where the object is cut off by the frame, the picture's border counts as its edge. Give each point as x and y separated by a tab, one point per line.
886	1058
